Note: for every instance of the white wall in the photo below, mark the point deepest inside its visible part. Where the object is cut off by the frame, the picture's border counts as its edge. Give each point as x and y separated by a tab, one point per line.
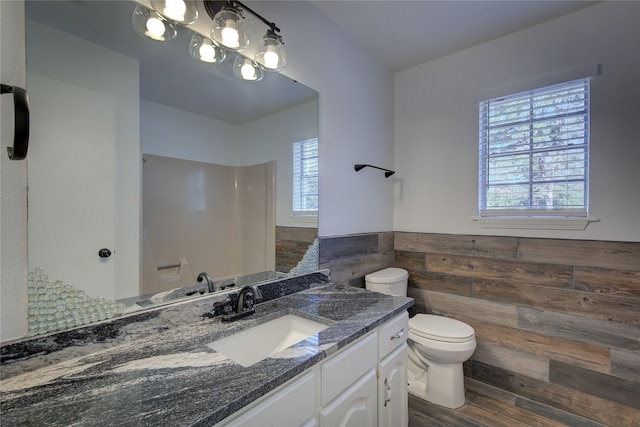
436	122
13	177
356	118
271	138
356	114
171	132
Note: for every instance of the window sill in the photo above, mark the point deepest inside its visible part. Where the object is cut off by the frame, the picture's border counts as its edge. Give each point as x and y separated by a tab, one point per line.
305	219
536	223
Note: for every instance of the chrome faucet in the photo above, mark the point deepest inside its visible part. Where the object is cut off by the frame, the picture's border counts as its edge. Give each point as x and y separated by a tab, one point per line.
244	303
210	285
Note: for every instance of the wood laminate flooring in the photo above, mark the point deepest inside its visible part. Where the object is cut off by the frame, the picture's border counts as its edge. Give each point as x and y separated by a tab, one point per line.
479	411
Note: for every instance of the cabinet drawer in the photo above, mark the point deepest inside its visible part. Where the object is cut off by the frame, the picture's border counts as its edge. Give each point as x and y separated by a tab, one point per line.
393	334
344	369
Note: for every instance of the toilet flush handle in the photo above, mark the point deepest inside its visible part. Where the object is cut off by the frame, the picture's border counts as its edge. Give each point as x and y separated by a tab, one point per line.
398	335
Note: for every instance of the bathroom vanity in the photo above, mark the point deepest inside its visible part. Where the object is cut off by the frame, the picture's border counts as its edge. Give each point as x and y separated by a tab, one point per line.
364	384
162	370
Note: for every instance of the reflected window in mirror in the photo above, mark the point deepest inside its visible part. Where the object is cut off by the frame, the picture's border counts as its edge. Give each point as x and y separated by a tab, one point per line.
305	178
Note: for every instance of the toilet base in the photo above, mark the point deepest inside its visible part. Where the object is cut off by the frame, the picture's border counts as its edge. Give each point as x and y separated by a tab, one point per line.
442	384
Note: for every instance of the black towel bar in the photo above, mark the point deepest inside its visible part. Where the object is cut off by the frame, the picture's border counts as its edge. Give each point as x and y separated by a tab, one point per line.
387	172
21	122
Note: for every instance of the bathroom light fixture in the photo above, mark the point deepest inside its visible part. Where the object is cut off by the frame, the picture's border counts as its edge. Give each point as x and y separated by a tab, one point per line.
205	49
179	11
229	29
247	69
229	32
270	54
149	23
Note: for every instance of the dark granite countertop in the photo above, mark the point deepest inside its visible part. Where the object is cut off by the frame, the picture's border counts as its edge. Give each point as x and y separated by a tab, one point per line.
170	376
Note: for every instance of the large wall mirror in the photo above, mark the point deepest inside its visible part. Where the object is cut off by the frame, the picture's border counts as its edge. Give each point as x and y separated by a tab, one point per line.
148	167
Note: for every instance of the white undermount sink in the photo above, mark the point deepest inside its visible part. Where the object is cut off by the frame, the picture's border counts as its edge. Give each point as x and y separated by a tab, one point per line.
252	345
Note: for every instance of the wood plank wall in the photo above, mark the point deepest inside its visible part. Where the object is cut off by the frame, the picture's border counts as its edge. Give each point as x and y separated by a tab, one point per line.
352	257
291	245
557	321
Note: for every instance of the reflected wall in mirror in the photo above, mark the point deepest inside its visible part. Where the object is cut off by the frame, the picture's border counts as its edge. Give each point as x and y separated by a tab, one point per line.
105	99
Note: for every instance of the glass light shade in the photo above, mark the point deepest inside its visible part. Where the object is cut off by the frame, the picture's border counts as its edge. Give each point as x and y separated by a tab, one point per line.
205	49
181	11
246	69
270	54
229	29
149	24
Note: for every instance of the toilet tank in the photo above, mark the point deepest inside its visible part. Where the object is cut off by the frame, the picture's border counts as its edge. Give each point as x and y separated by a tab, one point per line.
390	281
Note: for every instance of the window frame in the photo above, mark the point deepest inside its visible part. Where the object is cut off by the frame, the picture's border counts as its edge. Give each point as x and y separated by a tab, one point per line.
542	215
299	176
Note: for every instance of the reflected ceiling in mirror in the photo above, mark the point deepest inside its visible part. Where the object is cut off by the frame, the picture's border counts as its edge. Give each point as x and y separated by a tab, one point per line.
212	89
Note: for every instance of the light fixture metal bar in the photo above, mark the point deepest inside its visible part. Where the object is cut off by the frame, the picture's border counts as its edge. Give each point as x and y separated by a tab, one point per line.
213	6
272	25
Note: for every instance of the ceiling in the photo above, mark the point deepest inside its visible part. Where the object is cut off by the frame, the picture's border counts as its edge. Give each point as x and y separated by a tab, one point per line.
402	34
399	34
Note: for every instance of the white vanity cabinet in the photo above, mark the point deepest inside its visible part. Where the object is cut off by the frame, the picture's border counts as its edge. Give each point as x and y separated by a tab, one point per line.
355	407
338	372
348	385
292	404
362	385
393	398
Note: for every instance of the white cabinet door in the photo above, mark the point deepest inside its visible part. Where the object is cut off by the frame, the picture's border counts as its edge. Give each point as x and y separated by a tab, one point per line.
356	407
343	369
292	405
392	389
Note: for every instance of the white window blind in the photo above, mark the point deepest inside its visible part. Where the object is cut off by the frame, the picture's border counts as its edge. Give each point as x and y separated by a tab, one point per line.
305	178
534	152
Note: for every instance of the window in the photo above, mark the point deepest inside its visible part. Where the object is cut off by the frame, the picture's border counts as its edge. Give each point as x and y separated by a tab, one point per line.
305	178
534	153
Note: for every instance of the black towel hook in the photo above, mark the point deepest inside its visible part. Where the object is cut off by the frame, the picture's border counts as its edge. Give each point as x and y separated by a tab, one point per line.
387	172
21	122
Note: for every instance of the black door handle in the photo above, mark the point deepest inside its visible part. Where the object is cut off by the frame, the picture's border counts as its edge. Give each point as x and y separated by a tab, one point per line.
104	253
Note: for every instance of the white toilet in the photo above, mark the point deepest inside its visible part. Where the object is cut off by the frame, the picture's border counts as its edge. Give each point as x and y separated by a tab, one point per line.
437	346
390	281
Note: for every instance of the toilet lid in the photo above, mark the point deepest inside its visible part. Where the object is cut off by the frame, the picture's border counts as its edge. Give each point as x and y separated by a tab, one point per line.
440	328
388	275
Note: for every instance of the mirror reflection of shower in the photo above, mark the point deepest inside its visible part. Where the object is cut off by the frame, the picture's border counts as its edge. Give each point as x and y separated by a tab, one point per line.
205	217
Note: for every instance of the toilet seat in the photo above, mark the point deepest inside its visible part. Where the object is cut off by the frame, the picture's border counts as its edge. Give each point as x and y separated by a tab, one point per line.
439	328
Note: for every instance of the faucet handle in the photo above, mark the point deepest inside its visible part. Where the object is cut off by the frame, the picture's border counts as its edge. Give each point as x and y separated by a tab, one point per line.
224	306
248	303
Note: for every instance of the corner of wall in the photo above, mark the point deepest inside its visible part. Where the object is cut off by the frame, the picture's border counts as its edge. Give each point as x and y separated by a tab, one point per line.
13	185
